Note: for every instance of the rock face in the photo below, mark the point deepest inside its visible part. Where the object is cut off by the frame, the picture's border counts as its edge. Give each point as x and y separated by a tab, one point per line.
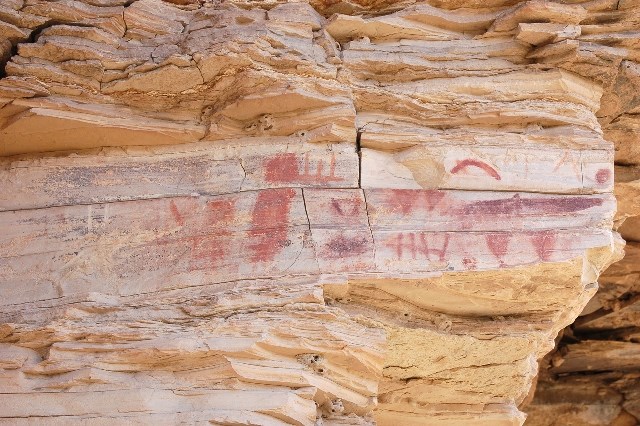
348	212
593	376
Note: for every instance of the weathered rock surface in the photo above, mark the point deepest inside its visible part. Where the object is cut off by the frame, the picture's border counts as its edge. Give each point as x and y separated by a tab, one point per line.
593	376
328	213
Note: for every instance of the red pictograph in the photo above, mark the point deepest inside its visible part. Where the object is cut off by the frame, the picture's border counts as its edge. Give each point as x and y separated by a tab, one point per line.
269	223
463	165
285	169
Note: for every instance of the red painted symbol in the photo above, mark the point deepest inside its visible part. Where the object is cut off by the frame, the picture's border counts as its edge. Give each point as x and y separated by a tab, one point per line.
284	168
544	243
176	213
603	176
269	221
517	205
470	263
346	206
462	166
417	243
341	247
406	200
498	244
208	249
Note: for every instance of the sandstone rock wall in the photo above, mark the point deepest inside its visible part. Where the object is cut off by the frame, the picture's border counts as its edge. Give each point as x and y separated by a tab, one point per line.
593	376
261	212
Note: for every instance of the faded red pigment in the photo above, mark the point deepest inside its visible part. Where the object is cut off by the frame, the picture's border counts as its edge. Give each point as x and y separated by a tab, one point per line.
406	200
419	243
220	212
346	207
269	223
470	263
544	243
498	243
519	205
341	246
284	169
603	176
177	216
208	251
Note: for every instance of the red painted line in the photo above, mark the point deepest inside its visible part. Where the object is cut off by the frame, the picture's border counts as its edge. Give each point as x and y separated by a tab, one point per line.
476	163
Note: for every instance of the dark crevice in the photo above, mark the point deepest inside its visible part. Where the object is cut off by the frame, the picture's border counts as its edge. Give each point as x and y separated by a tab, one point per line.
33	38
5	60
625	300
616	334
37	31
592	373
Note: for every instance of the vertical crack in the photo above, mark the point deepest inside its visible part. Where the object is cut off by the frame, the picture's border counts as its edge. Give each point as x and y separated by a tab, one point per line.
359	151
366	210
313	246
359	132
245	178
582	172
306	212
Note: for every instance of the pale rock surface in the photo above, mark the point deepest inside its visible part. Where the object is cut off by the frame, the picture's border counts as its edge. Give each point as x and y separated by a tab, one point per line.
323	213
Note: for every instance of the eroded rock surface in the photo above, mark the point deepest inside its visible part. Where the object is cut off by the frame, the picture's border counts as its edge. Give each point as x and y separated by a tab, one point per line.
593	376
328	213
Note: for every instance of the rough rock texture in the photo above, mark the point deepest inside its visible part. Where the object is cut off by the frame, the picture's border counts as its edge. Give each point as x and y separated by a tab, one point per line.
346	212
593	376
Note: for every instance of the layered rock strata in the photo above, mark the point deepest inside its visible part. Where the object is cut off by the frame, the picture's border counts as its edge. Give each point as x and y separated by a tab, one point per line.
593	375
290	213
